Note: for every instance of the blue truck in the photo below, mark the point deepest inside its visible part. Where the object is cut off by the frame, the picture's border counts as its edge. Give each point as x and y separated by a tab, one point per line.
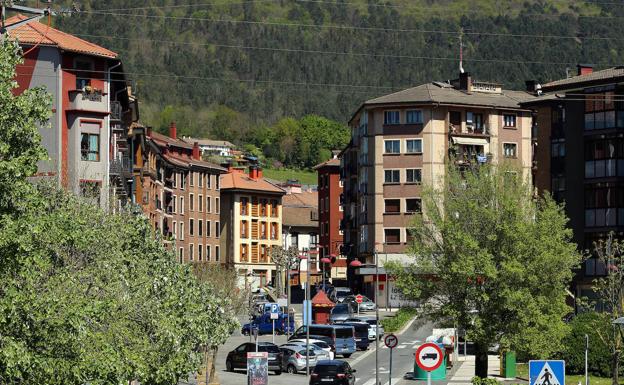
264	324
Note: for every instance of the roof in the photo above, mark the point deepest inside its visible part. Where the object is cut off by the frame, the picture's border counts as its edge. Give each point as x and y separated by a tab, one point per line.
208	142
299	209
304	199
37	33
242	181
596	76
331	162
445	93
321	300
165	140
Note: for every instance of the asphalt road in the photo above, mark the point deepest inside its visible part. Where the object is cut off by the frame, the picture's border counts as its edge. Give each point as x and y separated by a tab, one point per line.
363	362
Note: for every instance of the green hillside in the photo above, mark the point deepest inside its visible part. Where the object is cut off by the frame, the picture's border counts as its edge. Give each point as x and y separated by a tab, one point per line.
240	64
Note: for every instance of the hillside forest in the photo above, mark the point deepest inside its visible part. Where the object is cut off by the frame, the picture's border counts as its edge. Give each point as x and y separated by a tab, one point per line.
261	73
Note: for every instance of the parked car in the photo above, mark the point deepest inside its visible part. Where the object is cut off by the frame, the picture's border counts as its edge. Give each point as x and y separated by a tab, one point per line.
264	324
294	358
237	358
361	334
340	338
372	331
366	305
321	344
340	293
332	372
340	313
318	352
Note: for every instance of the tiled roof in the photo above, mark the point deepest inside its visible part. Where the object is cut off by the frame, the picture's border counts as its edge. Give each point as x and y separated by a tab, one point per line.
609	73
444	93
242	181
38	33
208	142
187	162
304	199
331	162
298	216
166	140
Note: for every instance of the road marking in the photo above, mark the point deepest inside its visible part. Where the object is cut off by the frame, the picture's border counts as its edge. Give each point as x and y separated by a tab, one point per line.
394	380
369	382
401	346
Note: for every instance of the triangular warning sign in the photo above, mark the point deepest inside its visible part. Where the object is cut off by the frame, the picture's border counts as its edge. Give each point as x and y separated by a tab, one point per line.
546	376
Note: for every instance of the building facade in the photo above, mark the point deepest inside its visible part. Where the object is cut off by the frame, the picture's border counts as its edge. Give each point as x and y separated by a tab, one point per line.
581	157
179	193
330	213
213	147
92	109
251	224
403	140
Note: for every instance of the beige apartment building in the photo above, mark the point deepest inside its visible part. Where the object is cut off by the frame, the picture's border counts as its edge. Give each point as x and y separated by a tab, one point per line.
251	216
401	141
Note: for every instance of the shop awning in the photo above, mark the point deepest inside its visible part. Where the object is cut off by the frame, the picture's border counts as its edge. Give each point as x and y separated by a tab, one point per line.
469	141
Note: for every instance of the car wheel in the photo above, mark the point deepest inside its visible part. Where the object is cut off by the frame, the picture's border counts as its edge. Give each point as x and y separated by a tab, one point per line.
278	372
291	369
347	355
245	332
228	366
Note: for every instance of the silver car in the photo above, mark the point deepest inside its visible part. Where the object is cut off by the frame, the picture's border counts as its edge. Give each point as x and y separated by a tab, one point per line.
322	349
294	358
372	331
366	305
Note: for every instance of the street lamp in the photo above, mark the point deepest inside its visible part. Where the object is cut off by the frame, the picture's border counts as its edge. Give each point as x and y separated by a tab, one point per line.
305	309
325	261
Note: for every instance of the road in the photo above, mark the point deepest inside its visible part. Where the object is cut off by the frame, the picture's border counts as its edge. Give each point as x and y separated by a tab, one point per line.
363	362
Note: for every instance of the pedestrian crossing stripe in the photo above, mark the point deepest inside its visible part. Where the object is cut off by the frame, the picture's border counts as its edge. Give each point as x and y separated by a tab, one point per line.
548	372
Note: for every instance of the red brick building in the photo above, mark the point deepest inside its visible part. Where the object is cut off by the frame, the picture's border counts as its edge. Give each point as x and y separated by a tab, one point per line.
330	216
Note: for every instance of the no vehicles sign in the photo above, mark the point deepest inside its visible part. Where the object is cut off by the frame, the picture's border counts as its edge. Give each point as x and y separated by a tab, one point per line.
429	357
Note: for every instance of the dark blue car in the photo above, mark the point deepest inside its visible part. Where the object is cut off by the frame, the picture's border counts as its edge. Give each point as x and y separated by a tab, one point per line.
264	324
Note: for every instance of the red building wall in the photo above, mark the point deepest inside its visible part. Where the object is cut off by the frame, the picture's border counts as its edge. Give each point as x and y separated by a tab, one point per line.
330	214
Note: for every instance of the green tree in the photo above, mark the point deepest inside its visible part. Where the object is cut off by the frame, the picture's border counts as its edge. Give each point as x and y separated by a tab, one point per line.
20	141
496	261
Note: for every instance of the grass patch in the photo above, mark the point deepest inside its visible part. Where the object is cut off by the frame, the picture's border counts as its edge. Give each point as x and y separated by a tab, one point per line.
522	371
282	175
399	320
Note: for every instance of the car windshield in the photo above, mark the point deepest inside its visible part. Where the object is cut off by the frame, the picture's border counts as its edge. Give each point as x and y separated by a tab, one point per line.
344	332
341	309
322	344
326	369
268	348
321	331
303	352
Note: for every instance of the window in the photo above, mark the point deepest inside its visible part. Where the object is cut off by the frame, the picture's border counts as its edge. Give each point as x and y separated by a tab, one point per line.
263	230
181	254
274	230
413	146
244	253
600	111
391	117
174	200
391	176
181	205
557	148
510	150
244	203
413	117
263	205
90	147
200	203
191	202
174	180
509	120
217	253
200	183
392	236
217	182
217	205
208	251
322	205
244	229
83	73
263	253
175	229
183	181
413	175
181	231
200	227
392	146
191	179
208	180
200	251
191	229
191	252
208	205
208	229
413	205
217	229
393	206
274	207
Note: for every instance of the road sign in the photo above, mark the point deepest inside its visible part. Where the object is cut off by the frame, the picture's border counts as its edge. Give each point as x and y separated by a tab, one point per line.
275	308
274	316
547	372
391	341
429	357
359	298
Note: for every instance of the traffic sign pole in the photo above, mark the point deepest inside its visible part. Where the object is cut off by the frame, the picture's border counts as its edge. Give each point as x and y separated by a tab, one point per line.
391	342
390	372
273	331
428	378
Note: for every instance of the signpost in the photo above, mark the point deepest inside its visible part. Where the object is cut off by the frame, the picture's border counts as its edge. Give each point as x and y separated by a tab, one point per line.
429	357
391	342
547	372
359	299
274	315
257	368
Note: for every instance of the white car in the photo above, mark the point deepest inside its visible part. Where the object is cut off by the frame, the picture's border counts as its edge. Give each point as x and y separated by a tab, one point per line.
320	344
372	329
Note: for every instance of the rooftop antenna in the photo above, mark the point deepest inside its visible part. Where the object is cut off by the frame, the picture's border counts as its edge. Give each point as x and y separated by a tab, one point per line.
461	51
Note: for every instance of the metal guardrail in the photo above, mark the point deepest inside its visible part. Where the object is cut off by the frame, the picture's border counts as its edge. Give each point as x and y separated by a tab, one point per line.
121	166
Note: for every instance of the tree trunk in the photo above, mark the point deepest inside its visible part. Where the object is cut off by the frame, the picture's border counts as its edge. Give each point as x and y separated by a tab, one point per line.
481	360
615	366
210	366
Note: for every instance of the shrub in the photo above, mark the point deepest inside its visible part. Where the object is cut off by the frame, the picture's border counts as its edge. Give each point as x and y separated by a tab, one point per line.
396	323
574	345
484	381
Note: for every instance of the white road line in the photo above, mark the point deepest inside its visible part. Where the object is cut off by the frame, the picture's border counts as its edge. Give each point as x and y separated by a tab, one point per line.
369	382
401	346
394	380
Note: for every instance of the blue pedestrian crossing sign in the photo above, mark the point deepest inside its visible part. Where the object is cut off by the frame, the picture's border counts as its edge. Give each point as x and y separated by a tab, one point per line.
547	372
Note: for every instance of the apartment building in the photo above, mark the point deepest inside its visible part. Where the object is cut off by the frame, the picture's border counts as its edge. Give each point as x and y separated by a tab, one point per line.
213	147
401	141
581	156
251	216
300	228
92	110
179	193
330	213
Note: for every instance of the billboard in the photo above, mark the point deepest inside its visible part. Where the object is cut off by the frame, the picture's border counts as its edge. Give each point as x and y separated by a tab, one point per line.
257	368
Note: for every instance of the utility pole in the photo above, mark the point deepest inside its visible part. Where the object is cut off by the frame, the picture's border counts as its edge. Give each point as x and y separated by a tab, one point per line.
8	5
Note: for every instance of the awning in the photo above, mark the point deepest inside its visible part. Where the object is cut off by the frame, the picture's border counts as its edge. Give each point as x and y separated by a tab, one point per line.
469	141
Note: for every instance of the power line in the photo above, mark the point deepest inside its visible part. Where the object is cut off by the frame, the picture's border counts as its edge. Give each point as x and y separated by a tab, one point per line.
349	27
216	3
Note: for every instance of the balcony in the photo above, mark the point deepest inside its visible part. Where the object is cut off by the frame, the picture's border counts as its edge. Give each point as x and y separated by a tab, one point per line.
469	129
116	111
122	166
93	101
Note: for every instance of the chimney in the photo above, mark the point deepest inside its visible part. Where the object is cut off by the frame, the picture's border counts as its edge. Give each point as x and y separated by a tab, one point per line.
259	172
584	69
253	172
196	152
530	85
465	81
173	131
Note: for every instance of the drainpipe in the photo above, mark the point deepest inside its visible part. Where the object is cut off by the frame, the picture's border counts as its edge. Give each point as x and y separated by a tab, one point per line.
107	125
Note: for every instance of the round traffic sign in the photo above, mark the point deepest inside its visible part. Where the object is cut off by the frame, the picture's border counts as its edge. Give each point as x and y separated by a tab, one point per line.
429	357
359	298
391	341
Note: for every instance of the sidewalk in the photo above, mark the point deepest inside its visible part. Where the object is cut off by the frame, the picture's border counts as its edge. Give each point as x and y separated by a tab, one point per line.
466	369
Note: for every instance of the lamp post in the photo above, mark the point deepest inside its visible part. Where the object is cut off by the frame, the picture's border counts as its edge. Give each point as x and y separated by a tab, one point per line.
325	261
306	257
